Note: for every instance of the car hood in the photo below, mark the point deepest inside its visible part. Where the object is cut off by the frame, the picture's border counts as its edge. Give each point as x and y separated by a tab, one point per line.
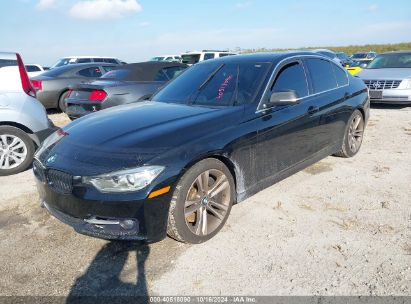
130	135
377	74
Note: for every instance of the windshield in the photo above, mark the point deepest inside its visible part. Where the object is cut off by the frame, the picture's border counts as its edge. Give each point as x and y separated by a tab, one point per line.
216	84
359	56
390	61
190	59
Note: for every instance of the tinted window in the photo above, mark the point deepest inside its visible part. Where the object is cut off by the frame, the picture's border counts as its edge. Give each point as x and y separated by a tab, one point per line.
32	68
83	60
90	72
110	60
340	75
208	56
98	60
322	75
291	78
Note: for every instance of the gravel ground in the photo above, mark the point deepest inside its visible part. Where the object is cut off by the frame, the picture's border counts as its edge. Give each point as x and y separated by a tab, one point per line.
340	227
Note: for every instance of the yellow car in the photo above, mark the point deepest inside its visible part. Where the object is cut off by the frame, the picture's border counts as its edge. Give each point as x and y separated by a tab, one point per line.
357	66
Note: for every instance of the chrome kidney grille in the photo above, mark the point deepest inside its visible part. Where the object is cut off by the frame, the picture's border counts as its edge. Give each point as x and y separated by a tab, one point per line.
382	84
59	181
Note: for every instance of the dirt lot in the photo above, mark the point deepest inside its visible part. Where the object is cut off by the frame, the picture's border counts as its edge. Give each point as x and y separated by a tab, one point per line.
340	227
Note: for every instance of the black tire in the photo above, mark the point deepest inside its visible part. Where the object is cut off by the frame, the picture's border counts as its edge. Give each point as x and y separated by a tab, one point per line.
29	145
62	105
178	225
347	149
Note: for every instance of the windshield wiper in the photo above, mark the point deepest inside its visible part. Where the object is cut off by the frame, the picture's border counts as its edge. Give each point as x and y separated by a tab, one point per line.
210	77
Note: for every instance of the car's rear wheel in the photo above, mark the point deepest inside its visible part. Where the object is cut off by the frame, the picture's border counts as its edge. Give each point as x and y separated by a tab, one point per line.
62	103
201	202
16	150
353	135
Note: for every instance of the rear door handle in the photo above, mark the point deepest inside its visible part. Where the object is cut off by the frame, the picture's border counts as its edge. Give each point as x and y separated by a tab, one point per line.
313	109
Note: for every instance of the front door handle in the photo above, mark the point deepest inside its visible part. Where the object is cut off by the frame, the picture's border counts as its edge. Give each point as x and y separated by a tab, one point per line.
313	109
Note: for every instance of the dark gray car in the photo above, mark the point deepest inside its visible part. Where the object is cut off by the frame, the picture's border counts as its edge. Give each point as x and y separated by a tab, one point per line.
127	84
52	86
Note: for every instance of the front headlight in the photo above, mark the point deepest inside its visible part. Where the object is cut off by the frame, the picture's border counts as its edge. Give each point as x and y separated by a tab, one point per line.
405	84
124	181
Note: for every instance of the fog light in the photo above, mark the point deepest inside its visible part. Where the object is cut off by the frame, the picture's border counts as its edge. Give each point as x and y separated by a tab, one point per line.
127	224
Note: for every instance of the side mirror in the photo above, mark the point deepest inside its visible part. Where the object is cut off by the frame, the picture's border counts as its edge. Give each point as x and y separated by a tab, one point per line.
283	98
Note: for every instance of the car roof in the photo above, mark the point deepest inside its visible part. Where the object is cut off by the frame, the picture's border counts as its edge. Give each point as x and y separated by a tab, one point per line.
265	57
141	71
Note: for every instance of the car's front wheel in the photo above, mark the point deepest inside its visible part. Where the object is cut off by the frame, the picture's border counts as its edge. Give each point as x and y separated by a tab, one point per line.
201	202
16	150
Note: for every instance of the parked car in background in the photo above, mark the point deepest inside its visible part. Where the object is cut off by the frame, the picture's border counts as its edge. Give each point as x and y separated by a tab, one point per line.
344	59
130	83
170	58
23	120
219	133
85	59
363	56
194	57
330	54
52	86
34	69
354	67
388	78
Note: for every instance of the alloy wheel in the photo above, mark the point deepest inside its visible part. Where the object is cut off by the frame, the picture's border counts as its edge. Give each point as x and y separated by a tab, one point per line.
13	151
207	202
355	133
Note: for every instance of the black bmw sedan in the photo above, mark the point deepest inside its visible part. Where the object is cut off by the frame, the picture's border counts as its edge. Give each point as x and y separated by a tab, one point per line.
219	133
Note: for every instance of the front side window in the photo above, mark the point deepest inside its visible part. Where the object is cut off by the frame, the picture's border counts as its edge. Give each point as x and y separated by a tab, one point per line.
291	78
322	74
32	68
93	72
208	56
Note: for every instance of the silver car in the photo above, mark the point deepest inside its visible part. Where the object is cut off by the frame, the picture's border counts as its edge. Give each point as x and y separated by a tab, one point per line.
23	119
388	78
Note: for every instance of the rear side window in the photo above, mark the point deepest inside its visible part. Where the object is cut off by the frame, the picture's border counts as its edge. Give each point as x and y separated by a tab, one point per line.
90	72
291	78
208	56
83	60
341	76
109	68
322	75
7	62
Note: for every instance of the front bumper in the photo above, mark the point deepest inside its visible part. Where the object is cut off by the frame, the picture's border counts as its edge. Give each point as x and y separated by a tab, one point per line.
39	137
391	96
105	218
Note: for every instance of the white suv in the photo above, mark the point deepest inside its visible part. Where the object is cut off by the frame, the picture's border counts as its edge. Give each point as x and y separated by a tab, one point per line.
193	57
23	119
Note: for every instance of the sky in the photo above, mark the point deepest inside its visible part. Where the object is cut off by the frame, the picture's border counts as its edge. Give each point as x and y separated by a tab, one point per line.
136	30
